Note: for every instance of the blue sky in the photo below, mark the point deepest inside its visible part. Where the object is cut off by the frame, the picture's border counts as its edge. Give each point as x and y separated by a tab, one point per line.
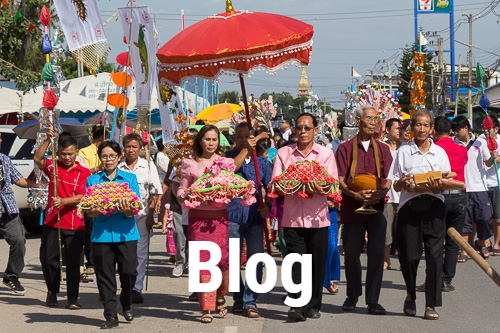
359	33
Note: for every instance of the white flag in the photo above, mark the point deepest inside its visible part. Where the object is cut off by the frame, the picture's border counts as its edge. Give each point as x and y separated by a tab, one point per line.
354	73
142	50
421	39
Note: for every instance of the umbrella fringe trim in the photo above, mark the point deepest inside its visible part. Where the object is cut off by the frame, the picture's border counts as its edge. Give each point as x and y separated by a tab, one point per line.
238	58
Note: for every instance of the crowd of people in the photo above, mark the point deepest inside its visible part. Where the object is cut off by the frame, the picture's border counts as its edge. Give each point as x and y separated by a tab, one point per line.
402	214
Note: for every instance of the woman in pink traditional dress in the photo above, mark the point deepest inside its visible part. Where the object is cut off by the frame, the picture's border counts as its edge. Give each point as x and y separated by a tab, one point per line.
207	223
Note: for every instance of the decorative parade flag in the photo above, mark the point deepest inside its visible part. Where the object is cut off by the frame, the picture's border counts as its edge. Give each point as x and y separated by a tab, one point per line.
141	37
171	111
82	25
4	2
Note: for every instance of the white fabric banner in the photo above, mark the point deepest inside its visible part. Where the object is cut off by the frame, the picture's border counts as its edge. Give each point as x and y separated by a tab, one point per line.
170	106
142	50
81	22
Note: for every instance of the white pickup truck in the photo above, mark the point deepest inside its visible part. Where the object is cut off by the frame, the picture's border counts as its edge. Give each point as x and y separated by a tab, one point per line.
20	152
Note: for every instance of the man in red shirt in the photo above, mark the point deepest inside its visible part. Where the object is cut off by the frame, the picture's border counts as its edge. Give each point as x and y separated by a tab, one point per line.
71	180
455	200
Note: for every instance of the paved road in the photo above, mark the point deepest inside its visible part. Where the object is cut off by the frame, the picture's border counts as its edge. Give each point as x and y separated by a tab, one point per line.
472	307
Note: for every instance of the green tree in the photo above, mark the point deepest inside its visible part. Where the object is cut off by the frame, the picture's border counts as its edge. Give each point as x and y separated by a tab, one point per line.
406	69
20	56
229	97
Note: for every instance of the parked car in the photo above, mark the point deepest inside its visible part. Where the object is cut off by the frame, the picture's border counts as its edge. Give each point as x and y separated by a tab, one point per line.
21	153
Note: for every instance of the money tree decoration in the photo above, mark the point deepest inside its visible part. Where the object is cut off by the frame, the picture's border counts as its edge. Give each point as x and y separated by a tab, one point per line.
295	178
384	103
109	195
218	185
417	80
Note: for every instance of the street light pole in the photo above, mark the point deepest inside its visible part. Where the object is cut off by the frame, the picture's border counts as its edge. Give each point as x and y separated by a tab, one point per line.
469	81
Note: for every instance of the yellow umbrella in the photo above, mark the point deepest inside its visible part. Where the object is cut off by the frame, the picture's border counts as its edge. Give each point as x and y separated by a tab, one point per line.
214	113
405	115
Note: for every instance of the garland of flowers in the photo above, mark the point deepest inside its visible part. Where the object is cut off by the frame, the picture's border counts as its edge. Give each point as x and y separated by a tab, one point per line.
295	178
109	195
218	185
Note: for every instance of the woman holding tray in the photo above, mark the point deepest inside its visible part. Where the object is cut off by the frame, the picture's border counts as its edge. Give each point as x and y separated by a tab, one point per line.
114	238
206	222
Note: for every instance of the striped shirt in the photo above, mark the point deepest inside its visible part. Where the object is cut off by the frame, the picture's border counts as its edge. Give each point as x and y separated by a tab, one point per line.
10	176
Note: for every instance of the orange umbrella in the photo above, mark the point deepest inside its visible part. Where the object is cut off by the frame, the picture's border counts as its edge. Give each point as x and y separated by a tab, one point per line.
214	113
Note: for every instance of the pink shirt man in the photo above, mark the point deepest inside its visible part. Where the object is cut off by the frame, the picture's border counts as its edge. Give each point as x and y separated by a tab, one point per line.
299	212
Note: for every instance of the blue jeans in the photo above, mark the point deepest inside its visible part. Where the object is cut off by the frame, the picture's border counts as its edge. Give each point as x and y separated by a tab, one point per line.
253	234
332	269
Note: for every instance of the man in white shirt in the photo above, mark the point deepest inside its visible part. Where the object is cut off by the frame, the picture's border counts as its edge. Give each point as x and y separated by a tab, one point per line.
286	128
421	214
150	187
479	210
393	131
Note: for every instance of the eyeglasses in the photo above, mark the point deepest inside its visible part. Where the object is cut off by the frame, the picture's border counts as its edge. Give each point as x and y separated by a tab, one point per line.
305	128
109	157
371	119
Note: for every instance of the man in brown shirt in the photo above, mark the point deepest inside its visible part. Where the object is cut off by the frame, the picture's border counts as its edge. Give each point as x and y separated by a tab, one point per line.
355	224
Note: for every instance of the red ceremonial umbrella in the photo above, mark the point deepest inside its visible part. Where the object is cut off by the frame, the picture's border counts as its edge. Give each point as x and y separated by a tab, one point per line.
236	41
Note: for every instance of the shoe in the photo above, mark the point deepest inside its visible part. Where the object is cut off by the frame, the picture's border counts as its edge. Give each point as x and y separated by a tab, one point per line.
350	304
313	314
178	270
51	300
420	288
73	304
137	297
14	284
446	287
376	309
109	323
251	312
84	278
128	313
296	314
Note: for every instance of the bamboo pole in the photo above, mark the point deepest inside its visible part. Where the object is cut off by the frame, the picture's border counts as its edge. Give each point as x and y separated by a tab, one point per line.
474	255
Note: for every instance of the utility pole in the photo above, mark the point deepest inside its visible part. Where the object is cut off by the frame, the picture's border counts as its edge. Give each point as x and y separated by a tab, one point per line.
441	75
458	82
469	81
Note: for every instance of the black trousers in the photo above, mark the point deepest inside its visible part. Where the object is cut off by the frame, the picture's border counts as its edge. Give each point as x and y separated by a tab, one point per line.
87	246
353	241
412	230
309	241
456	212
106	256
72	242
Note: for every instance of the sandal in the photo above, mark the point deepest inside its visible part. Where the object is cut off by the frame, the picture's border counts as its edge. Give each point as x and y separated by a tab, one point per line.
237	307
462	258
410	308
252	312
483	251
206	317
221	307
350	304
386	266
431	314
84	278
376	309
333	288
495	252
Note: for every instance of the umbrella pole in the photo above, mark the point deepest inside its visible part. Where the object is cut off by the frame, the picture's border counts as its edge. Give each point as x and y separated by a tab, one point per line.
56	194
256	165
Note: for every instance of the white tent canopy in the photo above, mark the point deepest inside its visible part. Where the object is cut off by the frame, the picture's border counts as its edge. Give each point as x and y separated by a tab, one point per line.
15	101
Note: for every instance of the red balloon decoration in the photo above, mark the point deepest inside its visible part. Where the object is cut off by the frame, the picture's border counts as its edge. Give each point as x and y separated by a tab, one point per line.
45	16
487	123
122	59
49	100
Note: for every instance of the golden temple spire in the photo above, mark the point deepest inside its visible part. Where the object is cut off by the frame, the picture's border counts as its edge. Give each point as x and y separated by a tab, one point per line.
229	6
304	85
